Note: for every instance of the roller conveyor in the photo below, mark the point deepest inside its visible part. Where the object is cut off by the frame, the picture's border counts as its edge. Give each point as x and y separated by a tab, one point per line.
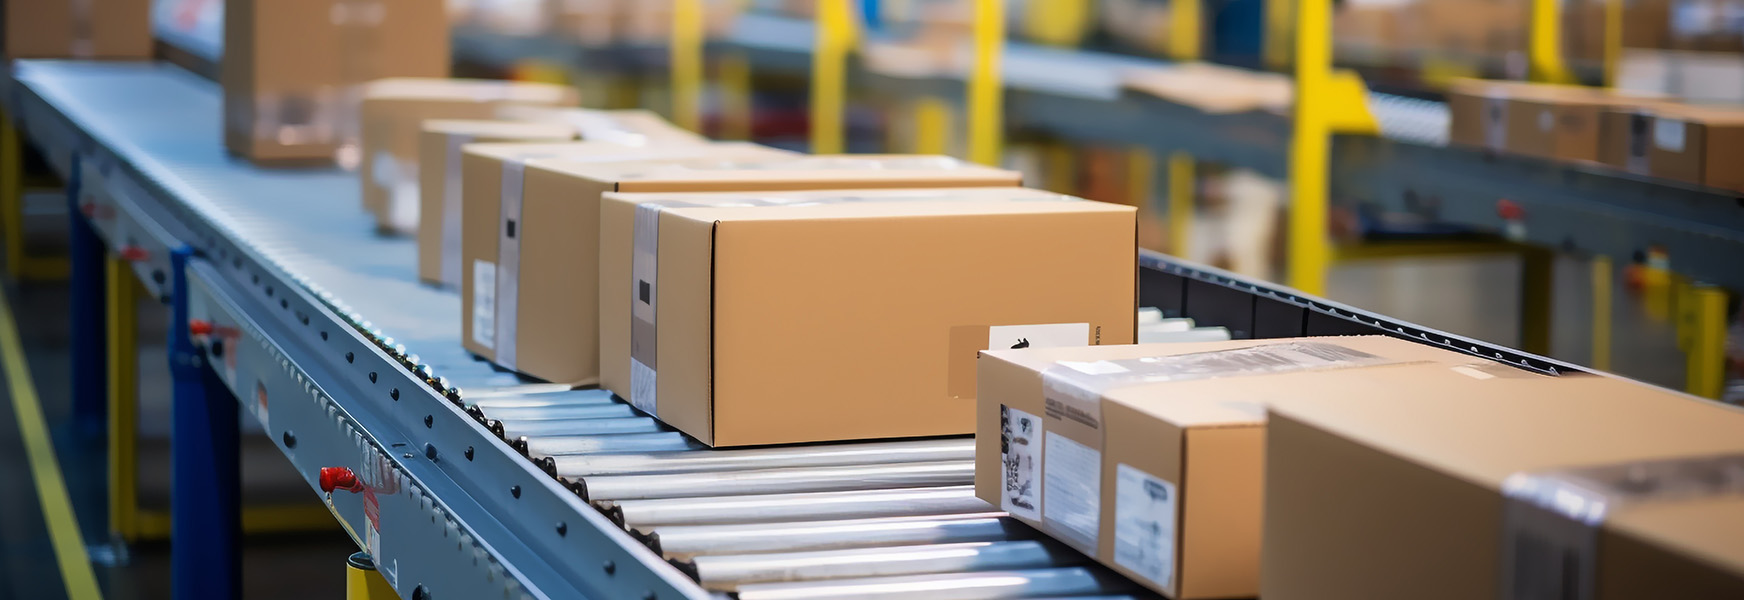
527	490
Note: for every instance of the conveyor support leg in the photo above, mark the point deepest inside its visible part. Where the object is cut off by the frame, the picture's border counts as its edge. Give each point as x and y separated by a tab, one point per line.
1602	294
123	373
738	110
1183	190
89	389
1706	352
932	125
1537	285
205	503
363	582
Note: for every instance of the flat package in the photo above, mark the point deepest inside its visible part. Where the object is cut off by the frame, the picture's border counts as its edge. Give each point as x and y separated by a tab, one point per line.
1691	144
393	113
754	319
525	209
82	29
1465	486
1545	121
439	184
1148	457
292	70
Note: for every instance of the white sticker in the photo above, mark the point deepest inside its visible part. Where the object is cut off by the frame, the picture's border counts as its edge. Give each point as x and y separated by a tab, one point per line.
1546	121
1019	450
403	208
1668	134
1144	524
484	303
1057	335
1072	491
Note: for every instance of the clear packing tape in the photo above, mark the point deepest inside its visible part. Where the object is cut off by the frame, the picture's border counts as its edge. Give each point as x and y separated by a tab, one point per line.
1552	520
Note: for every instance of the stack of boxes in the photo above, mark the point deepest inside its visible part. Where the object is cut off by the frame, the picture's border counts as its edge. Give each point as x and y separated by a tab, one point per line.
88	29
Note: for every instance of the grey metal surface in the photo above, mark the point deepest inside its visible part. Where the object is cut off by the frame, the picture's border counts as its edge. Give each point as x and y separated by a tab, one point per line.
648	515
987	585
782	457
728	482
733	570
681	542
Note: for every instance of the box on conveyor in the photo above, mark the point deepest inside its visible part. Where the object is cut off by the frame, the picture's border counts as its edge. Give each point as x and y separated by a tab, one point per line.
631	127
78	29
1541	120
439	152
525	210
394	111
1692	144
748	319
292	70
1459	485
1148	457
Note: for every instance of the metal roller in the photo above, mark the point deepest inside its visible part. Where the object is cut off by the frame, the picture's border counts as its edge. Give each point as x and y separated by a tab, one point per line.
987	585
784	457
646	514
731	571
587	398
681	542
546	413
665	441
525	389
567	427
779	481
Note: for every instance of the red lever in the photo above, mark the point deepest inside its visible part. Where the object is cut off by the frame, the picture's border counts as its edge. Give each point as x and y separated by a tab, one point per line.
339	478
133	254
89	209
199	327
1509	210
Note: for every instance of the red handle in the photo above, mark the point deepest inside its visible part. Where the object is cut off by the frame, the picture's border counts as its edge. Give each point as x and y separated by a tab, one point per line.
339	478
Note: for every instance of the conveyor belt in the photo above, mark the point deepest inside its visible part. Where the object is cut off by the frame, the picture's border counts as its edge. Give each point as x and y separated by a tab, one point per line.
281	254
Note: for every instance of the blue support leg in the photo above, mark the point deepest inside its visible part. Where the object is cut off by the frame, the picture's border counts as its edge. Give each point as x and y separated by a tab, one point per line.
205	474
90	385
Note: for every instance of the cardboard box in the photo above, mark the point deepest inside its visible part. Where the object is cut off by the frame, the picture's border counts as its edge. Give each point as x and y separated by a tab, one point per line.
1545	121
1699	145
1150	456
1625	134
292	70
821	298
439	187
1419	485
78	29
547	330
393	113
631	127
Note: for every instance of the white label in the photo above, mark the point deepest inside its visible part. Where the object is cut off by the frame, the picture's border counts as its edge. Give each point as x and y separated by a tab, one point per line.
644	388
1072	491
1668	135
1546	121
1057	335
403	208
1020	435
484	303
1144	524
385	170
510	229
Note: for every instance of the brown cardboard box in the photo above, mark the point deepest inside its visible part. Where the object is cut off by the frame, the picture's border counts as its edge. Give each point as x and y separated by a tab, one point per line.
631	127
292	69
1215	89
1478	112
819	296
1151	455
549	330
439	185
75	29
393	113
1625	134
1698	145
1394	488
1545	121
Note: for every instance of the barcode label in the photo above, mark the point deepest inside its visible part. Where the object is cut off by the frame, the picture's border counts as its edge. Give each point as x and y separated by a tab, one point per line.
1020	448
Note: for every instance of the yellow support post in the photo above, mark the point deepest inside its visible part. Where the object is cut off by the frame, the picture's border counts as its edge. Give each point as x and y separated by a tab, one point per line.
1184	30
1707	342
737	109
1059	168
1055	22
1602	288
12	194
363	582
1310	253
123	399
686	60
1279	32
1544	49
986	84
1537	289
1183	190
1613	40
829	77
932	125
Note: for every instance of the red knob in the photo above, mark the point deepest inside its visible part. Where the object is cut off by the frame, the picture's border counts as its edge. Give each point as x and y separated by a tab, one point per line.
133	254
88	209
1509	210
199	327
339	478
